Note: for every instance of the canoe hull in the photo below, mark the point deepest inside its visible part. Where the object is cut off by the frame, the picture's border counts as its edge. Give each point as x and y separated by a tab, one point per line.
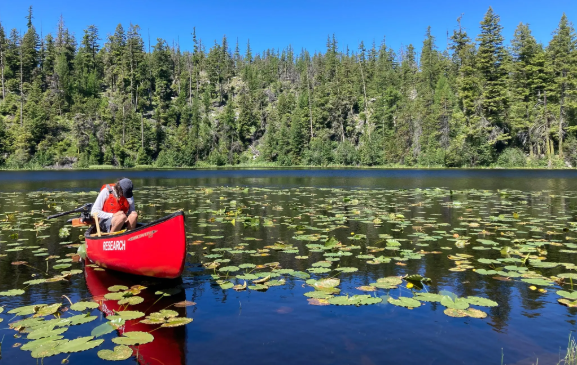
157	249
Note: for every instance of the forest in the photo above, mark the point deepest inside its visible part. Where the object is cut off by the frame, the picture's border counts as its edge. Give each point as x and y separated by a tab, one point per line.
122	100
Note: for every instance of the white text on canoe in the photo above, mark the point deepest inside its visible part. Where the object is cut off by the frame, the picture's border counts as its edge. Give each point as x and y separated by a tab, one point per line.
114	245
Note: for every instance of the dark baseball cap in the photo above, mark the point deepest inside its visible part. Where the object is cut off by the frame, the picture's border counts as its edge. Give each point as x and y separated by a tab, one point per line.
126	186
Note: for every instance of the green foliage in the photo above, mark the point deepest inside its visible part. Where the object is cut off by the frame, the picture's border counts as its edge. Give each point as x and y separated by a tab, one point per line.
113	101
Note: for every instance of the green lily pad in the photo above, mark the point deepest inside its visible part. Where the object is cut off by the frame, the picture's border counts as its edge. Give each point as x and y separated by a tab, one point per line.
568	275
347	269
542	282
120	352
405	302
46	332
12	292
127	315
483	302
79	344
177	322
567	295
317	294
226	285
47	310
428	297
116	288
53	341
82	306
229	268
131	300
457	303
25	310
81	319
133	338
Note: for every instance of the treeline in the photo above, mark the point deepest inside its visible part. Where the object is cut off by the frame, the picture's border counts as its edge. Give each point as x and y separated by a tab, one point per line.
128	102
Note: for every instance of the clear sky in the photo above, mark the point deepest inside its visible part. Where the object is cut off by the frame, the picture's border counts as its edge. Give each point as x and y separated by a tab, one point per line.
301	23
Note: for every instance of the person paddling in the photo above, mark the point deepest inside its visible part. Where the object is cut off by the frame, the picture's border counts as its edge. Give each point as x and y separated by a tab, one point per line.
114	206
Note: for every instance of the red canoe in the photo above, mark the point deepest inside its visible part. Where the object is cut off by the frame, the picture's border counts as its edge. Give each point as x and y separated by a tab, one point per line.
156	249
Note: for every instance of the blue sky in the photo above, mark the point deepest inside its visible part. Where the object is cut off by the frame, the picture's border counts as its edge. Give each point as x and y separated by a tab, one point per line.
301	23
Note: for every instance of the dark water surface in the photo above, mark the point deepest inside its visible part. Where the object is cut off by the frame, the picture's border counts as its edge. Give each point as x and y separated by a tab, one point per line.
433	214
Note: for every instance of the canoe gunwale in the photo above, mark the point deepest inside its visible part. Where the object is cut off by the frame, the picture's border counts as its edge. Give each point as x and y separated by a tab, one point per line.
87	234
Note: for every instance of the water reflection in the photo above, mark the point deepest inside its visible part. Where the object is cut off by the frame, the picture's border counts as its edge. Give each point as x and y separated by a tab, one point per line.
168	346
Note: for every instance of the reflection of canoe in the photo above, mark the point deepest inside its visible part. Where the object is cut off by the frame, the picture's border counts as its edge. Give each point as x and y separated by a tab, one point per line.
155	249
168	346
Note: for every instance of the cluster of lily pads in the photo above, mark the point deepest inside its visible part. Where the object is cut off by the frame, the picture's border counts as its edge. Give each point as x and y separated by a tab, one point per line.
45	325
261	238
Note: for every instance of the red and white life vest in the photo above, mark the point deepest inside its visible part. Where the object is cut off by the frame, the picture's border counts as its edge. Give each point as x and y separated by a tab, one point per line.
112	204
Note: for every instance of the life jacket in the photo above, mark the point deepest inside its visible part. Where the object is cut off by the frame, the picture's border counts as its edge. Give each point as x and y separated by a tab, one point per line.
112	204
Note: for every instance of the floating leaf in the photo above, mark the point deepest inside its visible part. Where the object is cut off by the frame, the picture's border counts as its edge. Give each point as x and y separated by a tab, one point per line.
405	302
567	302
567	295
483	302
543	282
458	313
177	322
120	352
457	303
428	297
47	310
347	269
12	292
46	332
128	315
82	306
103	329
133	338
184	303
131	300
317	294
116	288
476	313
79	344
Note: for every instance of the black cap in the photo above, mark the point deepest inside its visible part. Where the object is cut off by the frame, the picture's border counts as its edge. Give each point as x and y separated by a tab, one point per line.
126	186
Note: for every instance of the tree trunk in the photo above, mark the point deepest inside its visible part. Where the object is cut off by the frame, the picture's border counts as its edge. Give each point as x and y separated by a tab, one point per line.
123	124
131	76
561	111
142	131
364	90
189	81
21	89
548	127
310	101
2	70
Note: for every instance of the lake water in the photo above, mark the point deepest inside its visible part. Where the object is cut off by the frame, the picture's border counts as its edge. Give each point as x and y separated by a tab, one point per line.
503	235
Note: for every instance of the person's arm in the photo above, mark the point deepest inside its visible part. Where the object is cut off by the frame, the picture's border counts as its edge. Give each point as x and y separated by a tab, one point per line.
99	203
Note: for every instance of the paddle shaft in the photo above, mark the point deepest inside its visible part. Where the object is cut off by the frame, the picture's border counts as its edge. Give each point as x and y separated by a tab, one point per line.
97	224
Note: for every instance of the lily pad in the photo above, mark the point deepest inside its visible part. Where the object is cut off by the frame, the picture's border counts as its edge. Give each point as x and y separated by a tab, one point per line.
405	302
458	313
120	352
79	344
457	303
12	292
133	338
177	322
483	302
82	306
